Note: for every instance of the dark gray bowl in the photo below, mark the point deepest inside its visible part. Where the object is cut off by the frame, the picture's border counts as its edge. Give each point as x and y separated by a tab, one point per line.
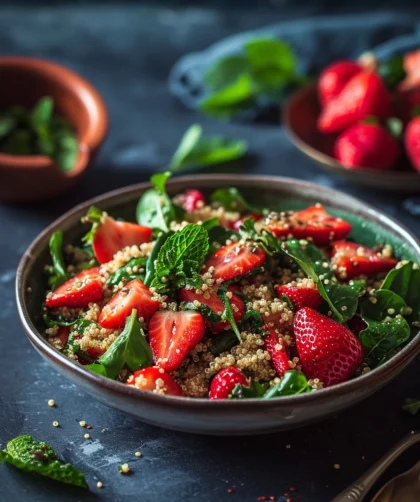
198	415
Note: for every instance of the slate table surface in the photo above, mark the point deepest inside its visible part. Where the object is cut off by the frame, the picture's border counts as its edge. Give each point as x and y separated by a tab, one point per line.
127	53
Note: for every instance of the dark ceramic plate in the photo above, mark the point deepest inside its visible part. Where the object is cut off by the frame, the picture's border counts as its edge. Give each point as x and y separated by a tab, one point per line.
300	116
199	415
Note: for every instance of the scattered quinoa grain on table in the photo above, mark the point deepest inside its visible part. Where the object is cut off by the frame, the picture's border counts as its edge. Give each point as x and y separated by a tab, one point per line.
55	423
51	402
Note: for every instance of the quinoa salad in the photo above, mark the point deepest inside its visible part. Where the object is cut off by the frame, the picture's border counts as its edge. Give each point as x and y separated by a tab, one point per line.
216	298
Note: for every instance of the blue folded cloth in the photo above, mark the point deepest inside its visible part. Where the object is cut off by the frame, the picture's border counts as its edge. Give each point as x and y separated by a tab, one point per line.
317	41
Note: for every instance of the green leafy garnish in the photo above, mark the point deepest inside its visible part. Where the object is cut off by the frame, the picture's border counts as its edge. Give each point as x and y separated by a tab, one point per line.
232	200
255	391
227	314
267	240
150	264
345	297
392	71
58	273
293	382
223	342
126	273
94	216
411	405
386	328
180	259
38	457
131	348
265	71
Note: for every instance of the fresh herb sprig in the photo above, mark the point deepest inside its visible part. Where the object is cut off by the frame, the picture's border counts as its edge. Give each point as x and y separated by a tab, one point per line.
57	272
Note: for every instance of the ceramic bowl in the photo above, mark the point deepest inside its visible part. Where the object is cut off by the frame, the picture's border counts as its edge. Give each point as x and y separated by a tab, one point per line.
201	415
300	117
23	82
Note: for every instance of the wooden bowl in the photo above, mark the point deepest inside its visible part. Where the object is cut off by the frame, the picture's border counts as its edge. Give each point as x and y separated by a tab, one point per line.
25	80
300	117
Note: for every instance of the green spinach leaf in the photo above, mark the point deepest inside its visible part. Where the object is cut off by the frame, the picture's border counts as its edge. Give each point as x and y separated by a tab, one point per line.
411	405
126	272
150	264
232	200
58	272
255	391
345	297
293	382
227	314
223	342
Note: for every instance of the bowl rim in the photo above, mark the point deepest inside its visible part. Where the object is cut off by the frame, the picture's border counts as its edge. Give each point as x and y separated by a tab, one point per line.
323	158
345	388
91	99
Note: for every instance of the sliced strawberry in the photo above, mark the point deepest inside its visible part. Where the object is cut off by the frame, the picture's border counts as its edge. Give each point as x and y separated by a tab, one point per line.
412	142
334	78
412	69
235	259
79	291
172	336
155	380
300	296
313	222
238	223
193	199
63	334
112	236
134	295
327	350
278	352
95	352
350	259
215	303
224	382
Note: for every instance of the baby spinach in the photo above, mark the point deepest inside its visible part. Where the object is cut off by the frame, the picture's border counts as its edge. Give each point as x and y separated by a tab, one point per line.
293	382
180	259
411	405
308	253
122	273
223	342
130	347
220	235
386	328
38	457
155	208
345	297
254	391
232	200
58	272
266	240
150	264
195	150
227	314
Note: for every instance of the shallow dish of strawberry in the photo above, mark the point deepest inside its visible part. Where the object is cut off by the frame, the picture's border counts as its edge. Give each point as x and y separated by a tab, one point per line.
188	306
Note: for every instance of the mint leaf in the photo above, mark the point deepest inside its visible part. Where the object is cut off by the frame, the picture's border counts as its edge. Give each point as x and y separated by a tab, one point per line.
228	101
293	383
180	259
66	150
123	274
150	264
225	71
42	111
130	348
412	406
232	200
36	456
58	272
188	142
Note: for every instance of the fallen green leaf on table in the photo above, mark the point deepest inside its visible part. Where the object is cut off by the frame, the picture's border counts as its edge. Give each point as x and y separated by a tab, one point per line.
411	406
264	71
38	457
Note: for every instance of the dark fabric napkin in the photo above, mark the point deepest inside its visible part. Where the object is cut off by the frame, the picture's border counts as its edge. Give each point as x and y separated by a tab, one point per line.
316	41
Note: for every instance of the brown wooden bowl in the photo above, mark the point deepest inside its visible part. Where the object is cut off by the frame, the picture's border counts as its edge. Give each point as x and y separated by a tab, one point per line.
300	117
25	80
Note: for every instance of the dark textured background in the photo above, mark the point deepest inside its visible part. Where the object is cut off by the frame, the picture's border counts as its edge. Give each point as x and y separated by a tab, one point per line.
127	53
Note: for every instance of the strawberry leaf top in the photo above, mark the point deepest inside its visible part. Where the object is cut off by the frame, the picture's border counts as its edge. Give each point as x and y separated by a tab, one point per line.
180	259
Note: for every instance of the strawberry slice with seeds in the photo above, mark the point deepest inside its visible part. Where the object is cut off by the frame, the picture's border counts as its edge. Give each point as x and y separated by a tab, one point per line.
350	259
63	334
111	236
156	380
327	350
79	291
235	259
193	199
278	352
313	222
300	296
215	303
172	336
224	382
134	295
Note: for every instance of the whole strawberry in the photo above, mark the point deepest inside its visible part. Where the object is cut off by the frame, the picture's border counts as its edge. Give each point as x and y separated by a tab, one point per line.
327	350
363	95
366	145
224	382
333	79
412	141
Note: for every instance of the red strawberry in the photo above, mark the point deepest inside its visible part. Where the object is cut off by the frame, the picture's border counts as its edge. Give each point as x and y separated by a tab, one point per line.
300	296
224	382
412	69
172	336
238	223
350	260
216	305
112	236
94	352
79	291
312	222
366	145
235	260
327	350
364	95
63	334
134	295
333	79
193	199
412	142
408	103
156	380
278	352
